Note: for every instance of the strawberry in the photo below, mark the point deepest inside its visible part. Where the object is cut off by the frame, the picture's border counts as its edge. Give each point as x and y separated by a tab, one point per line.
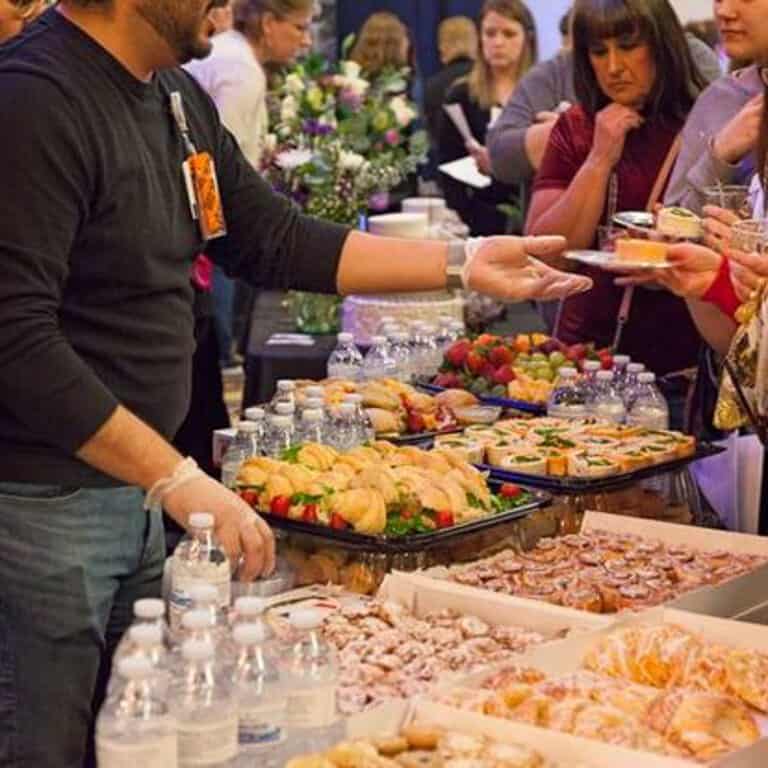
504	374
444	518
488	372
280	506
510	490
457	353
475	362
309	515
501	355
338	522
415	423
606	362
249	496
486	339
448	380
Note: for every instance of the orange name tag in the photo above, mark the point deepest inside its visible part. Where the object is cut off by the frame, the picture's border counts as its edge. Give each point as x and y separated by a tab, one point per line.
209	209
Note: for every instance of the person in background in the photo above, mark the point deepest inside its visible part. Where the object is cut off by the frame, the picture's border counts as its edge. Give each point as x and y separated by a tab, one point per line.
15	15
720	136
457	45
508	49
221	18
264	31
706	31
566	40
636	82
382	43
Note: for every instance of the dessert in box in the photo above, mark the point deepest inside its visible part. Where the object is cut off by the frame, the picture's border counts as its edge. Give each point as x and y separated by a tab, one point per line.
678	223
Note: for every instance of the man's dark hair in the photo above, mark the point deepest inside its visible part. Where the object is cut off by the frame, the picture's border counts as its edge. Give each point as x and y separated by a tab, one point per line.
678	80
565	23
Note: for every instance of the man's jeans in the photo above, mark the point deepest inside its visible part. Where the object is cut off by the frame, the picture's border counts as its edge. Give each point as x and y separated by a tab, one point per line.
72	562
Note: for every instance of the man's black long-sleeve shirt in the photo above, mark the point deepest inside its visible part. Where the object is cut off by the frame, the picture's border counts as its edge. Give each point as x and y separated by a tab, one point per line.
97	243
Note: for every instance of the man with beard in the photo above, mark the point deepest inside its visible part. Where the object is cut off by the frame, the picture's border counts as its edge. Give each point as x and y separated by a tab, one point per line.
98	232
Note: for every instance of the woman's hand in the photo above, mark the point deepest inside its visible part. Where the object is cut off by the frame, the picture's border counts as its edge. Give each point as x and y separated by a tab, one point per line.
717	225
481	157
748	272
612	125
695	270
739	137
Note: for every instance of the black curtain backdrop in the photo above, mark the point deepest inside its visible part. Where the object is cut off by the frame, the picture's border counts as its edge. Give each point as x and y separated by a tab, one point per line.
420	16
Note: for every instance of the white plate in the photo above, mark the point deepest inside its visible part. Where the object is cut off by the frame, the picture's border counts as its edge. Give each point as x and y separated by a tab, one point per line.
635	220
608	261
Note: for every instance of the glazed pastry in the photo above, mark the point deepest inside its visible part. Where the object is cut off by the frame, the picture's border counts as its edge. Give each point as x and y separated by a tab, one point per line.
421	737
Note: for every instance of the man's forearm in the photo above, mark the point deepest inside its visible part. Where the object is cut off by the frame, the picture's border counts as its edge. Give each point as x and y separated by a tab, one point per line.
128	449
391	265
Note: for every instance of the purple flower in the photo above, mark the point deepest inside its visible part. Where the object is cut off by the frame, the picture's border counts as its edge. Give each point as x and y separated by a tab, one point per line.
379	201
313	127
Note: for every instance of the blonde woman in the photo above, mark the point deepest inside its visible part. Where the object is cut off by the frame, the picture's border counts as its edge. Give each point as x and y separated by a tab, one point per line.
508	49
382	43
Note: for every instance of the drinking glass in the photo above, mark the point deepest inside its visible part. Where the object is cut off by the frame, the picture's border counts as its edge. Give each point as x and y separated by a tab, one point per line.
750	236
731	197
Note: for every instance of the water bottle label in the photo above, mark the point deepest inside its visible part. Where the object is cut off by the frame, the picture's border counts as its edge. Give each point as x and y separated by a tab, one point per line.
207	743
157	753
257	731
312	708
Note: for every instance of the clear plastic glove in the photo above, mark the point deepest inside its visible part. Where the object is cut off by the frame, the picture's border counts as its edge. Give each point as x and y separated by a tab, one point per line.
245	537
507	268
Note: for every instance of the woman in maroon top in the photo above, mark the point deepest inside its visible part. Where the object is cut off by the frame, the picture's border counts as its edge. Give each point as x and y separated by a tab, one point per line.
636	83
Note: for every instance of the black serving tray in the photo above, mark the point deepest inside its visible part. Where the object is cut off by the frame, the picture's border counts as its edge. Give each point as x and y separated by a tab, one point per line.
535	409
416	542
419	438
565	486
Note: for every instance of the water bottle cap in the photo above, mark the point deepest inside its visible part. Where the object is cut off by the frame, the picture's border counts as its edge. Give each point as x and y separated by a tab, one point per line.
197	650
197	620
377	340
591	365
249	427
605	375
285	409
347	408
255	414
312	415
146	635
286	385
249	634
250	605
428	329
635	368
568	373
306	618
647	377
354	399
203	593
201	520
315	392
314	404
345	338
621	359
135	668
149	608
281	421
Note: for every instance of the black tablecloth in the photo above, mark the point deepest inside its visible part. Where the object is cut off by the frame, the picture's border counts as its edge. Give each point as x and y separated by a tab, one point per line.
265	365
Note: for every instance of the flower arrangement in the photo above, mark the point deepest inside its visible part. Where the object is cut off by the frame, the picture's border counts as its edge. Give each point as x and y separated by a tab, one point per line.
339	141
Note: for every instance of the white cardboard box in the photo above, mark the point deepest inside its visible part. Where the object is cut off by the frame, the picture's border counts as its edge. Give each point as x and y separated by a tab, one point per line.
729	600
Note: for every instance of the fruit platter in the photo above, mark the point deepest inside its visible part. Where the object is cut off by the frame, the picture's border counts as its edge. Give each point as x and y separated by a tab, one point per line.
513	372
382	491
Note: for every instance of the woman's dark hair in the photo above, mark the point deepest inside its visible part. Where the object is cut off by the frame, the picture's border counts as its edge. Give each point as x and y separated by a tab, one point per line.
678	80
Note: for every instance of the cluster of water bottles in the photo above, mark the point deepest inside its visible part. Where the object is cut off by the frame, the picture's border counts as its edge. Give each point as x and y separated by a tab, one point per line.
396	353
625	395
212	686
286	423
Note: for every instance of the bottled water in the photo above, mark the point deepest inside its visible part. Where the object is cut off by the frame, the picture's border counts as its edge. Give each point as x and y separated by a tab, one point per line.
135	728
433	353
205	708
443	335
244	446
400	352
311	679
201	626
386	322
280	436
633	372
620	364
345	432
589	382
315	392
377	363
345	361
458	330
312	429
285	409
205	597
567	400
649	407
259	417
261	699
317	404
198	559
608	404
250	609
144	641
149	612
286	393
366	432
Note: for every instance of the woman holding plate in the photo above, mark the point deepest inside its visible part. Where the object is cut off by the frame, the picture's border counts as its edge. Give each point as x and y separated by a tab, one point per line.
636	82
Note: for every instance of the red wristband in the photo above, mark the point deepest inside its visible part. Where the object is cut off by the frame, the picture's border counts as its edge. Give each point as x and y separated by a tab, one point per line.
722	293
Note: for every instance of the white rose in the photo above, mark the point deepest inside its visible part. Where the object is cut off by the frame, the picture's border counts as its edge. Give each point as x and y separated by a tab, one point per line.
351	161
289	109
350	69
404	113
294	84
293	158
